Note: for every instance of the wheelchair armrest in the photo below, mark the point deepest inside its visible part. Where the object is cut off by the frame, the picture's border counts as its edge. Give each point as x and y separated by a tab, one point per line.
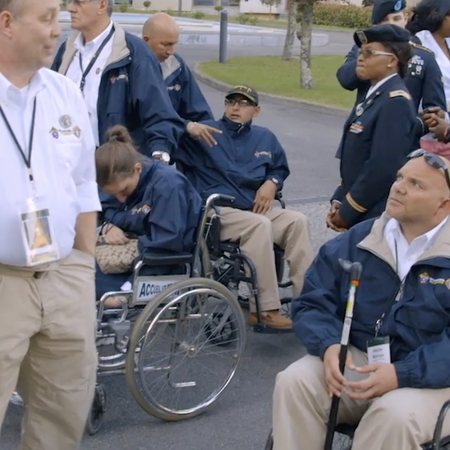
167	258
223	200
279	198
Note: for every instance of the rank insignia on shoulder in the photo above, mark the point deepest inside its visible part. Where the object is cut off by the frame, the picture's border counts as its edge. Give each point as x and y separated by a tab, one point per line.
400	93
415	45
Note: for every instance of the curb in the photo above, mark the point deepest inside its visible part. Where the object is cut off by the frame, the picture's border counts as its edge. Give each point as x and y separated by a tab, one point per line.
315	107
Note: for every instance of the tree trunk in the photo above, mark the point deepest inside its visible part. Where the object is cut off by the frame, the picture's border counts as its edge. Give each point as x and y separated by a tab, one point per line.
290	33
306	81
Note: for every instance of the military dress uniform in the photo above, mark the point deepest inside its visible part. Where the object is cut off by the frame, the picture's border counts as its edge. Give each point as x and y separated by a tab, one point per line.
378	135
424	78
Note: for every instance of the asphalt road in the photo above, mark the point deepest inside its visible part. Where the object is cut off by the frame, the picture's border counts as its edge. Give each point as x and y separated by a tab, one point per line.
240	420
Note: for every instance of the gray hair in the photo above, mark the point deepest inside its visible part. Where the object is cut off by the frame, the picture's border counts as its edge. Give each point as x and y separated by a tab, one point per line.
11	5
110	7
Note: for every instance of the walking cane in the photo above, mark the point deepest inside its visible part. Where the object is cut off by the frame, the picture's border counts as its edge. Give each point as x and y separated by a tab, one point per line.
355	270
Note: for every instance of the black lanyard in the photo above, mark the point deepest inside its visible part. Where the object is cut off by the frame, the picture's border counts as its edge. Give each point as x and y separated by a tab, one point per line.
26	159
85	73
396	297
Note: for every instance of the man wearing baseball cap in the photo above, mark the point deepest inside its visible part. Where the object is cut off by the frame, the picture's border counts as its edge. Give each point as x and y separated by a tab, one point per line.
248	163
424	79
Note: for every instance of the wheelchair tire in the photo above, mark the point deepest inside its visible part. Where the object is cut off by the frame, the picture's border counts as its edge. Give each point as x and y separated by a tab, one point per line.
174	312
97	411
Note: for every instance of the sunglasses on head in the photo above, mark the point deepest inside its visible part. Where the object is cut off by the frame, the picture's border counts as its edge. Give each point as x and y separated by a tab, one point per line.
432	160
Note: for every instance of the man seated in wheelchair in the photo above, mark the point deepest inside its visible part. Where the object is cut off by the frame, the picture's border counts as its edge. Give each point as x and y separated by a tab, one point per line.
159	208
397	374
247	162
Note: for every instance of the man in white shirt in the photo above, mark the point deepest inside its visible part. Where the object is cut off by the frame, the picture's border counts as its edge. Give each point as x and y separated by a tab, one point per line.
120	78
48	207
401	313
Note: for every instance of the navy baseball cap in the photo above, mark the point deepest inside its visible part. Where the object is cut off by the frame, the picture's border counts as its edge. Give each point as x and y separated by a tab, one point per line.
382	8
246	91
381	33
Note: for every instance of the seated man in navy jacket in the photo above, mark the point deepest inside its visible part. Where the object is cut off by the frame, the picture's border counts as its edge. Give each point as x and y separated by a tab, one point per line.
393	386
249	164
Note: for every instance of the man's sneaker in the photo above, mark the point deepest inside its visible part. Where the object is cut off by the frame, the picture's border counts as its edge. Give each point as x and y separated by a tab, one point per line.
16	399
272	319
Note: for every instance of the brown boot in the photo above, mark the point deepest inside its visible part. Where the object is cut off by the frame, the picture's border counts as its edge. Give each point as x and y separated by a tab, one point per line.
273	319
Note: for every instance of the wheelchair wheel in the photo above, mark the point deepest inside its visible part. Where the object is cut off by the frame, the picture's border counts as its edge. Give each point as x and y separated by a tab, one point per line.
97	412
185	349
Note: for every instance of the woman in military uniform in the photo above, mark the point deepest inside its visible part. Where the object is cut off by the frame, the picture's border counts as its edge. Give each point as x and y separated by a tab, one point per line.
430	23
379	132
423	79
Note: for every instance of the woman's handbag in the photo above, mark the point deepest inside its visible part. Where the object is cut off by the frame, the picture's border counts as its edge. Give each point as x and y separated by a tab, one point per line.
113	259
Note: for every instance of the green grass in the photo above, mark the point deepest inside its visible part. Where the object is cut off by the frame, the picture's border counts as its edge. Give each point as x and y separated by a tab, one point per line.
271	75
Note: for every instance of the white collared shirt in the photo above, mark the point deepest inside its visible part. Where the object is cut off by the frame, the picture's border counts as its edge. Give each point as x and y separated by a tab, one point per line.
94	77
406	255
372	89
62	160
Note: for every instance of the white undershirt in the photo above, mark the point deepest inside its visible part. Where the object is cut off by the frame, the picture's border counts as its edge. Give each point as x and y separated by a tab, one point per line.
94	77
380	83
406	255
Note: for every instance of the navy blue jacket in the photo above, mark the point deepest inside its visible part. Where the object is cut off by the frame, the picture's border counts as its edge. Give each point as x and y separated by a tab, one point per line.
132	93
424	79
244	158
418	324
374	146
184	92
164	211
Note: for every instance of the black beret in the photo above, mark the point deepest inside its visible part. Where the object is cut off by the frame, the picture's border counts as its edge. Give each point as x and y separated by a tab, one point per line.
444	7
381	33
381	8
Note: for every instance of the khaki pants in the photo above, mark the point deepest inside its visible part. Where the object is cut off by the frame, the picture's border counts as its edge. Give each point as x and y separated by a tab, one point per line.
402	419
47	332
257	234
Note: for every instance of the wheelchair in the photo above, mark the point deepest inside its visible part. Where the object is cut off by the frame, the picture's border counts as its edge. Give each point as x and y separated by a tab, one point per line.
344	434
235	270
177	338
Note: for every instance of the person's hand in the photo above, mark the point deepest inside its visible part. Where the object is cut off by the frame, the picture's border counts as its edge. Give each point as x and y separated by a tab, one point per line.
429	116
264	198
337	223
382	379
335	379
203	132
440	129
335	205
113	235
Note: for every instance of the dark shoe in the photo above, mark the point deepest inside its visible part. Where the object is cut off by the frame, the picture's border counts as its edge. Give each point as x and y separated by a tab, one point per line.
272	319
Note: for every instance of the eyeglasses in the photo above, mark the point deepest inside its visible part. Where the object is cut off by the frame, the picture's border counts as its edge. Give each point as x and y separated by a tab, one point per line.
243	102
369	53
432	160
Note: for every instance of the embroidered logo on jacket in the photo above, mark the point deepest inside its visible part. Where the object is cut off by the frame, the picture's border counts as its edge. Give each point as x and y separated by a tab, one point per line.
424	278
258	154
145	209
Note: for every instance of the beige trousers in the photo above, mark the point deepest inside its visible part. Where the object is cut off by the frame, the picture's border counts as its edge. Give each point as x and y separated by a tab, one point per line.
257	235
47	333
402	419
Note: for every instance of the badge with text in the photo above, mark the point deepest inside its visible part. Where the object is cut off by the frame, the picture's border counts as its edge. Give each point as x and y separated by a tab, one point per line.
38	236
379	351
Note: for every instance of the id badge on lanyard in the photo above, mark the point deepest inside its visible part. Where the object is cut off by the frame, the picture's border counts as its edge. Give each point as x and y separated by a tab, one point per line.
38	237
